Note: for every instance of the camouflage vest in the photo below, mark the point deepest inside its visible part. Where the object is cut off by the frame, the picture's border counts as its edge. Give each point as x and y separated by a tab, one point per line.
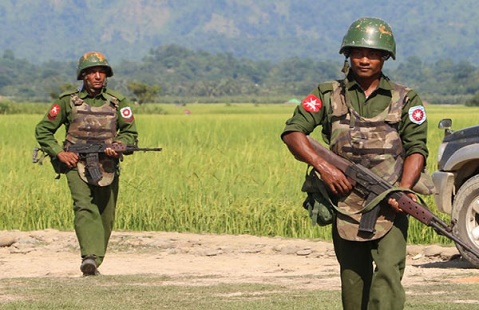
94	125
372	142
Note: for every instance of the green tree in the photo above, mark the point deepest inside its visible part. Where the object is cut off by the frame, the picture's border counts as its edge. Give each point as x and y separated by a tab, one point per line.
62	88
474	101
143	92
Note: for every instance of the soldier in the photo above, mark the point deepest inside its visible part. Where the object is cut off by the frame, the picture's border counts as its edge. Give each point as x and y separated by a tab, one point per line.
382	125
91	114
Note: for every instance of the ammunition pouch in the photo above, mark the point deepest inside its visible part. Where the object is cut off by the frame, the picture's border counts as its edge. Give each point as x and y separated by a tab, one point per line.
98	169
318	202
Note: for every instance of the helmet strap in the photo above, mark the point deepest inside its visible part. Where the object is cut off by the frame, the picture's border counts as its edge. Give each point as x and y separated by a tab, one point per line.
345	68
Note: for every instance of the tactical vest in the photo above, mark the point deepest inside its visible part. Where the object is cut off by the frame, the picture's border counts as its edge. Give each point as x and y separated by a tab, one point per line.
372	142
94	125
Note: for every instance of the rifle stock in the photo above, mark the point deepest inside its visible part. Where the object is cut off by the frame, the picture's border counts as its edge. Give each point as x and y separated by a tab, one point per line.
375	185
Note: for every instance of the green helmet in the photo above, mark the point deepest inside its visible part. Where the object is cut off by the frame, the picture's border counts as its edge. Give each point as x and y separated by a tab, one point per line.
93	59
369	32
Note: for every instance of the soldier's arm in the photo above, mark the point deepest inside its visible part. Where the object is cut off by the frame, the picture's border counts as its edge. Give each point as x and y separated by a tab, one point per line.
127	132
413	131
302	150
45	130
305	119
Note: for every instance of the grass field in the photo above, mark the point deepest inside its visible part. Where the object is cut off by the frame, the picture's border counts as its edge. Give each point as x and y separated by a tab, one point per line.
154	292
223	169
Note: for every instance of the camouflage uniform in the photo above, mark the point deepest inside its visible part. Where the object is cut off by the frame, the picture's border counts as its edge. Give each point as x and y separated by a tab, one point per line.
378	132
104	118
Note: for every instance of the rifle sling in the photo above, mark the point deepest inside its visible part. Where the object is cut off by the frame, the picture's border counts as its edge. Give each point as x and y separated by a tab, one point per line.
370	212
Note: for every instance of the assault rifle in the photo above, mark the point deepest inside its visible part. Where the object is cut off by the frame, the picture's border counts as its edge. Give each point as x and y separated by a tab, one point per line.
90	153
371	185
88	148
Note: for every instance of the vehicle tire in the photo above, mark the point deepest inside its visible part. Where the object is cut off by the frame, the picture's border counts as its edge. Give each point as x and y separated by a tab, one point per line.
465	216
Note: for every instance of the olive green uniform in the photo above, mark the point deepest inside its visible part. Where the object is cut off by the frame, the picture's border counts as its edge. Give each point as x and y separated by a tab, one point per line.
363	287
93	206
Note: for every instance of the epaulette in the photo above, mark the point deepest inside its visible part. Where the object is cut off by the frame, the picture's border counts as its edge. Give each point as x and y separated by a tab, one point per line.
115	94
400	93
327	86
68	93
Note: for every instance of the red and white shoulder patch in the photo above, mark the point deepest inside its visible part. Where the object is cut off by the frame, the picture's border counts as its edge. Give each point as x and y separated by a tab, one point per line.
54	110
417	114
312	103
127	114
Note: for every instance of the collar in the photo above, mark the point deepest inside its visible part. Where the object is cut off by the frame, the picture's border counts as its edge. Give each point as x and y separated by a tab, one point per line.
82	93
384	82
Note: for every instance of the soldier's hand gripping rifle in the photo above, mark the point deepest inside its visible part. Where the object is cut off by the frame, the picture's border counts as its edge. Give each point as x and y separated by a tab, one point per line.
370	183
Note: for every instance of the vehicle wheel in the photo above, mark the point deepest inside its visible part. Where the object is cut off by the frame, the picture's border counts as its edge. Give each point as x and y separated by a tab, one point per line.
465	215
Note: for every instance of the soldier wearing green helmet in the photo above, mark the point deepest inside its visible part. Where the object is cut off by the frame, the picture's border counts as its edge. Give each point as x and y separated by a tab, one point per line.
369	33
92	113
93	59
381	125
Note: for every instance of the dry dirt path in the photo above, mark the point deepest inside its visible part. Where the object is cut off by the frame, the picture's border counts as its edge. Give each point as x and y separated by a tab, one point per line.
197	259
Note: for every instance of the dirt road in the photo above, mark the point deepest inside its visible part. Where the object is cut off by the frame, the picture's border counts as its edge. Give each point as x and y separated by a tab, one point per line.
196	259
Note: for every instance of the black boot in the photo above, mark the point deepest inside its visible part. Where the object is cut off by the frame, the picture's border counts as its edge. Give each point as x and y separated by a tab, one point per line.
89	266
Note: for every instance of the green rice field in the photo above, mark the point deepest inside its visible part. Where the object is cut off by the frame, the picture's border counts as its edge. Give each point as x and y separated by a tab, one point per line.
223	169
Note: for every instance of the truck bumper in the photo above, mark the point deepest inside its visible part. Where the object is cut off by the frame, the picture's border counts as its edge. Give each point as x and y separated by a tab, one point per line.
444	184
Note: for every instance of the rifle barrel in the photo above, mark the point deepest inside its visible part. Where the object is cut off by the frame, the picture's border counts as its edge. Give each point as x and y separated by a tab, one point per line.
146	149
446	231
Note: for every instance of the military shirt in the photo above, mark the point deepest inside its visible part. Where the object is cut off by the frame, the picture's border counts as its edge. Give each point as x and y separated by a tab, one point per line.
413	132
60	114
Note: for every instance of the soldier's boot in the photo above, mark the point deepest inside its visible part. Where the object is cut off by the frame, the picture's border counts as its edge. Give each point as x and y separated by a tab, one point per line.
89	266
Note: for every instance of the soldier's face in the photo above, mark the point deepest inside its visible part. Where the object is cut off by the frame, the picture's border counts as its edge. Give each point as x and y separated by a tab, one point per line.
366	63
95	77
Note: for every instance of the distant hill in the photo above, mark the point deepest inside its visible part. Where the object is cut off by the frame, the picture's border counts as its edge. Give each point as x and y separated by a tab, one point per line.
39	31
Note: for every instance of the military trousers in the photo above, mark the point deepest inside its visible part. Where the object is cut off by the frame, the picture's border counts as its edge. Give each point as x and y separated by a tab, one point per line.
94	214
371	271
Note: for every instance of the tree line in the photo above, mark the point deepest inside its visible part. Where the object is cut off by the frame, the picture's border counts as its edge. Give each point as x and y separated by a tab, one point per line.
179	75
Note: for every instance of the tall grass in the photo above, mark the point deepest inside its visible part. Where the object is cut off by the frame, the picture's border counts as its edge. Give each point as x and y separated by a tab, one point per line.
223	169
